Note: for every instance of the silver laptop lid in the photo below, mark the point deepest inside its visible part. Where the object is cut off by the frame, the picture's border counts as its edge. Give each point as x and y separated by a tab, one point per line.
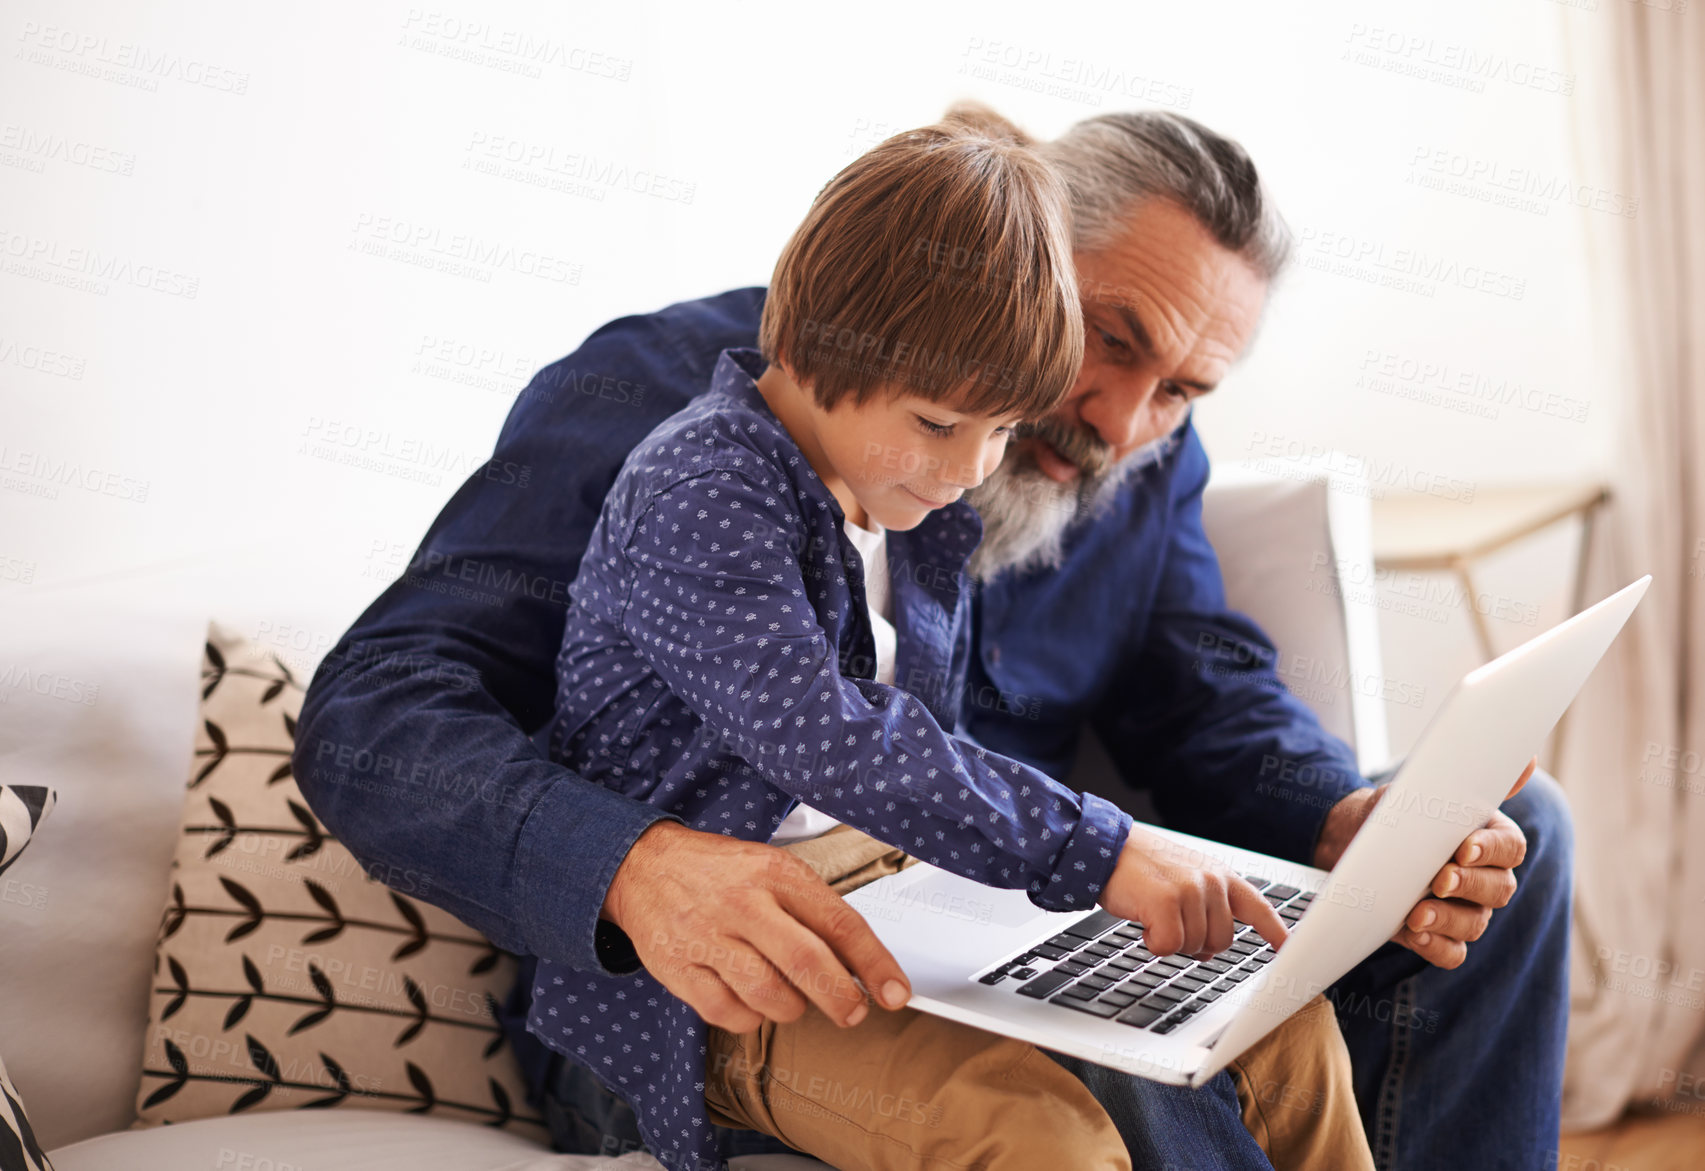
1459	772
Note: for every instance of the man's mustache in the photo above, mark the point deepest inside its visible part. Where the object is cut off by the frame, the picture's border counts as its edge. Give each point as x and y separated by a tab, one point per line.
1082	446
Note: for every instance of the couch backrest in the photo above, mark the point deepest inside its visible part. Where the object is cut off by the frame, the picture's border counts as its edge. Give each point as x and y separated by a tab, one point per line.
1297	557
99	702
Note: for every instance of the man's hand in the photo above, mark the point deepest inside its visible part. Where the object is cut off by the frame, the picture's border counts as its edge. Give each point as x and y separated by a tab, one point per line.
1478	879
1185	900
745	932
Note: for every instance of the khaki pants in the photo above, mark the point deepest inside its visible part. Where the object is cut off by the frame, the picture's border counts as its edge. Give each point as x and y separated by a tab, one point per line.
904	1090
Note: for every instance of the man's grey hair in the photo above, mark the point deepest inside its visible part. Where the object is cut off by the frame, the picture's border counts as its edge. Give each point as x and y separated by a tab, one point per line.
1111	164
1114	161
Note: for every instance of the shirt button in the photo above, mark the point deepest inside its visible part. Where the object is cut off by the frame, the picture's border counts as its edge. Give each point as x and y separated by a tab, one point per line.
992	653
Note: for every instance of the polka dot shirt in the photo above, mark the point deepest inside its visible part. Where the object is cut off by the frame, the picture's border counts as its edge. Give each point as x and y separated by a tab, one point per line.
717	663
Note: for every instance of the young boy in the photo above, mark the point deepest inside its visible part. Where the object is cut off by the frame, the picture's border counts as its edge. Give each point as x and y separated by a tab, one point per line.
722	658
772	559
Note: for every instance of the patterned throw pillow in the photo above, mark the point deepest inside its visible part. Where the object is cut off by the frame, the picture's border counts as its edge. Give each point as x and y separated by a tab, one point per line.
22	808
286	977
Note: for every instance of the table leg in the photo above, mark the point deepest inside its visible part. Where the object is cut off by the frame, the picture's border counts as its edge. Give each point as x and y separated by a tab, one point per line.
1577	603
1482	632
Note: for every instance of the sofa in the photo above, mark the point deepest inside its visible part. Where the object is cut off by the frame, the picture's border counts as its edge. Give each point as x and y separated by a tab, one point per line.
112	731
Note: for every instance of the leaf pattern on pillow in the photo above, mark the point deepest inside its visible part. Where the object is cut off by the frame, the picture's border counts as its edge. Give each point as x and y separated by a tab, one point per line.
267	1075
286	977
22	810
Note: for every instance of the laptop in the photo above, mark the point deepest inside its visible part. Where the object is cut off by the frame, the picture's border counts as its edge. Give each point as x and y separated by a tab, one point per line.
1083	984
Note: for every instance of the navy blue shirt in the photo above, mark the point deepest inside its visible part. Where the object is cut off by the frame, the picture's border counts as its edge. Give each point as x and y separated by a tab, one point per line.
448	680
717	663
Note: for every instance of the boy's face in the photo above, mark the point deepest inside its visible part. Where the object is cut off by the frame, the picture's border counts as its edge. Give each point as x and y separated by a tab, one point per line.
901	456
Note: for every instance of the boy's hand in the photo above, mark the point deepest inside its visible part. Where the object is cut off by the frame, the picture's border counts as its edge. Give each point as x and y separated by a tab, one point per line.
1184	901
744	931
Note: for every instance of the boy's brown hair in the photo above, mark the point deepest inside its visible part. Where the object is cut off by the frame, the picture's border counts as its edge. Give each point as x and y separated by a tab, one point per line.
938	263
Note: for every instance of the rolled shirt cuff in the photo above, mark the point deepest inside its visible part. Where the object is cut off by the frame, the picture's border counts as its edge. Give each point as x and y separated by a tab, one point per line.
1086	861
571	846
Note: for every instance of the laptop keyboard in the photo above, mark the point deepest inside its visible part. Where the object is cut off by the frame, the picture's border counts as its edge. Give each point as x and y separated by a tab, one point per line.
1098	965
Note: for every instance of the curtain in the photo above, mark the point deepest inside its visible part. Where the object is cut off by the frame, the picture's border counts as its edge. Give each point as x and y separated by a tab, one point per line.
1634	763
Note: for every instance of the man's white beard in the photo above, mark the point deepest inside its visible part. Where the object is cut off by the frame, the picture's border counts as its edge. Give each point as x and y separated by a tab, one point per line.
1027	513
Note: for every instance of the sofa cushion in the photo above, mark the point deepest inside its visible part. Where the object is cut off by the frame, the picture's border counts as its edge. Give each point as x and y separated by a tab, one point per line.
22	808
352	1140
110	734
1295	554
285	976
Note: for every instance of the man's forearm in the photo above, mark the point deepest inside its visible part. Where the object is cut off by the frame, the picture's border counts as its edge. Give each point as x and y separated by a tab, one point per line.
1342	822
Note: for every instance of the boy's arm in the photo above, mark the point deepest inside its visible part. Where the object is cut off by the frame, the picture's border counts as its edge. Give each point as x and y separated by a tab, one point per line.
720	611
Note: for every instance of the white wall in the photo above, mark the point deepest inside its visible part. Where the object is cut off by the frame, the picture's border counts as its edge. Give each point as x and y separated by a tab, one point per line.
244	161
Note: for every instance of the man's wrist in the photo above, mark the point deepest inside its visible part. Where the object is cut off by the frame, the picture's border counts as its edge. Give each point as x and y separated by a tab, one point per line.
573	840
637	861
611	943
1342	822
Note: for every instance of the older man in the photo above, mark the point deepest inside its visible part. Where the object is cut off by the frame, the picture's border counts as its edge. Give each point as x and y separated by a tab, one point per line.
1097	589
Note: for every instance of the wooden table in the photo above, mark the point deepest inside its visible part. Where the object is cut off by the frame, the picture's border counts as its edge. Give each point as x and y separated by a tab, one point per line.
1427	534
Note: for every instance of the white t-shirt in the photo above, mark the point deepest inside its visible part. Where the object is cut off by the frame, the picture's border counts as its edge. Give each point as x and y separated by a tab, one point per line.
804	821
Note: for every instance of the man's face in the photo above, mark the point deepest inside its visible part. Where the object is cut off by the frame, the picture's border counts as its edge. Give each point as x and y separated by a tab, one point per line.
1167	310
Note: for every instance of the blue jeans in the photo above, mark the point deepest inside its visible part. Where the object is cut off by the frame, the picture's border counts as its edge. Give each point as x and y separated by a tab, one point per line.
1464	1068
1458	1068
